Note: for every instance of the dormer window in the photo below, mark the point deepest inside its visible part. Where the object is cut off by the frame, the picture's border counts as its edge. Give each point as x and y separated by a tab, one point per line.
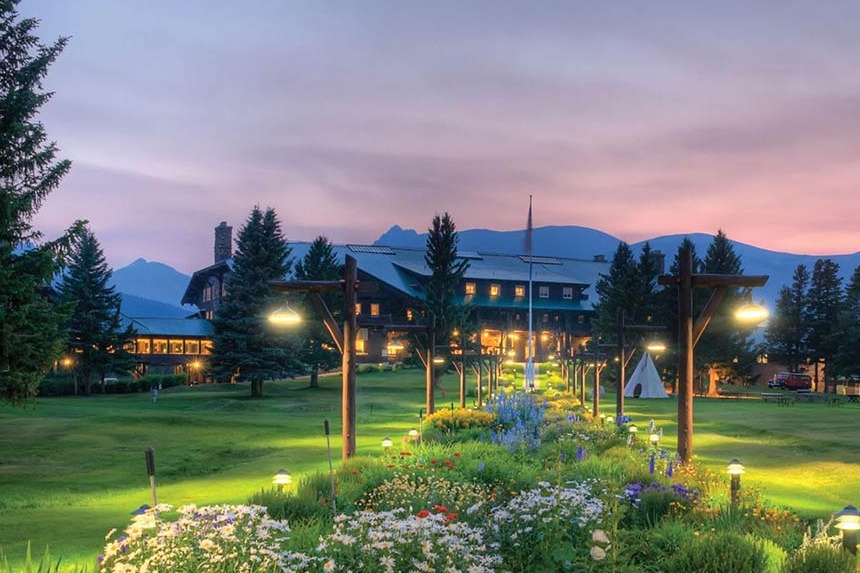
470	288
543	291
495	290
520	291
567	293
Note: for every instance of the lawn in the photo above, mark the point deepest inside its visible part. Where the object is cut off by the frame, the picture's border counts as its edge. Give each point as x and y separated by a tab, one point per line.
73	468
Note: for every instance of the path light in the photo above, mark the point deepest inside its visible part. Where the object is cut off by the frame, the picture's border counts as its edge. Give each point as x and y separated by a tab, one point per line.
282	479
631	433
654	437
848	522
414	436
386	444
609	419
735	469
602	419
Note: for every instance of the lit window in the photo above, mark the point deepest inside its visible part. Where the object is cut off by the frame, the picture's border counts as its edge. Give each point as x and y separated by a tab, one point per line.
374	309
360	346
143	346
470	288
357	308
495	290
543	291
567	293
176	347
409	315
159	346
206	347
192	347
520	291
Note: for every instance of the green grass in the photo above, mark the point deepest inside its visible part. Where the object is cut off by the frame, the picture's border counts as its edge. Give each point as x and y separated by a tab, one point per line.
73	468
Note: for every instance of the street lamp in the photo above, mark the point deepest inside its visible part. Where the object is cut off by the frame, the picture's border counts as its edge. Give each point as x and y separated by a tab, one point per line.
848	522
689	332
735	469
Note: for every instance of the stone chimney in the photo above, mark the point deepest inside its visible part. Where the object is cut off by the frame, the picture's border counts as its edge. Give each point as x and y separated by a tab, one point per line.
223	242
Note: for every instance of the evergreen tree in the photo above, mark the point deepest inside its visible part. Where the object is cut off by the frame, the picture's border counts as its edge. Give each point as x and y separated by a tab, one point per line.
725	346
31	325
320	263
96	337
617	291
786	335
245	347
447	272
846	361
824	305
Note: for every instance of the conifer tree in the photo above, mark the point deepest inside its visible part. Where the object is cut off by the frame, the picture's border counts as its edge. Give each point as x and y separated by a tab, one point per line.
245	347
823	308
320	263
447	272
846	362
97	339
786	334
31	325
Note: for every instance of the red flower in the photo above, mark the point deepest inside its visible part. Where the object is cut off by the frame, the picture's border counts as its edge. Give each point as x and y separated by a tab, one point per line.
451	517
440	508
404	453
422	513
448	464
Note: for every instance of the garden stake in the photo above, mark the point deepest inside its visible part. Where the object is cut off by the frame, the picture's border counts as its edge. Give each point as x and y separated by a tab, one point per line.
330	468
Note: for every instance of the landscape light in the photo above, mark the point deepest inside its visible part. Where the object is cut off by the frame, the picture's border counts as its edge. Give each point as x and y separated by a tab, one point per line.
386	444
848	522
735	469
282	479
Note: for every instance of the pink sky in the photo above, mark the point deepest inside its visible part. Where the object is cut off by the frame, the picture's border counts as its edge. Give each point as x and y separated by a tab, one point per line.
639	119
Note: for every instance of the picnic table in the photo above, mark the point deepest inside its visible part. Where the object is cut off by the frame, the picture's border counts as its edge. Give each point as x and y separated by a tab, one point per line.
771	396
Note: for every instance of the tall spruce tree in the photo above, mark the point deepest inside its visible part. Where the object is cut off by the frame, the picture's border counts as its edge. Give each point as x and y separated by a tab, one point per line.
97	339
846	361
725	348
786	334
823	308
618	290
32	330
244	346
447	272
318	351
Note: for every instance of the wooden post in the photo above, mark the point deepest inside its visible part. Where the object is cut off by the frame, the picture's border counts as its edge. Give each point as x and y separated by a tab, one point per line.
430	373
685	355
622	367
350	275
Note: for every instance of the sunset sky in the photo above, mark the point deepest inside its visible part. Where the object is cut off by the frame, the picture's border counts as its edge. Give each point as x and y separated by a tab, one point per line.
637	118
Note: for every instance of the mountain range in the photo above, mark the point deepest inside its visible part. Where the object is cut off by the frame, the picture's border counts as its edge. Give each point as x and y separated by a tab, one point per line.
152	289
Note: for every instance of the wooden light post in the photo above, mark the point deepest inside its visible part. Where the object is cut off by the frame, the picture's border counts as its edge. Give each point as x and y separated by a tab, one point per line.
344	340
689	332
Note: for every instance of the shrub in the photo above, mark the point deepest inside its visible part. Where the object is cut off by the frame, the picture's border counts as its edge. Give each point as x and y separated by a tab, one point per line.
294	509
649	504
726	552
647	549
459	419
819	558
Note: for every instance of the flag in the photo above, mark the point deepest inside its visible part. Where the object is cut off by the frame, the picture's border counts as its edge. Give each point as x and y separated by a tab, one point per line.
528	243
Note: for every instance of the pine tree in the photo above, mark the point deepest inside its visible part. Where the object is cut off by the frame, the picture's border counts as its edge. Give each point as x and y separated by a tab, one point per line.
846	361
245	347
97	340
824	305
447	272
31	324
786	334
320	263
726	346
619	290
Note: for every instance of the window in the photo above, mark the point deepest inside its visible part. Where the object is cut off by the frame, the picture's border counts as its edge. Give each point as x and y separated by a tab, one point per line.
357	308
520	291
409	315
567	293
143	346
374	309
207	294
543	291
206	347
545	318
159	346
470	288
192	347
176	347
495	290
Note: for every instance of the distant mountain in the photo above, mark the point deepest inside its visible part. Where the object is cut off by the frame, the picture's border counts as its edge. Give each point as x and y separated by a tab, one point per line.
584	243
152	290
137	307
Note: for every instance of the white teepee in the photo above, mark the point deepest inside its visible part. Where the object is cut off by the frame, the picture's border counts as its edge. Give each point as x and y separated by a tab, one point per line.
645	381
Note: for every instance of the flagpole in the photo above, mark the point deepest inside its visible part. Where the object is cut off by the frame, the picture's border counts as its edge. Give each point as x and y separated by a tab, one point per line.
529	377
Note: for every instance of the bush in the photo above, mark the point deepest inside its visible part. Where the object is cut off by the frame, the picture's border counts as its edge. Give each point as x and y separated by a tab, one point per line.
727	552
818	558
447	420
295	509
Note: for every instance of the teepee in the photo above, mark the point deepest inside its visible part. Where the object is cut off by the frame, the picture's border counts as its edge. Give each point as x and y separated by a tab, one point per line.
645	382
